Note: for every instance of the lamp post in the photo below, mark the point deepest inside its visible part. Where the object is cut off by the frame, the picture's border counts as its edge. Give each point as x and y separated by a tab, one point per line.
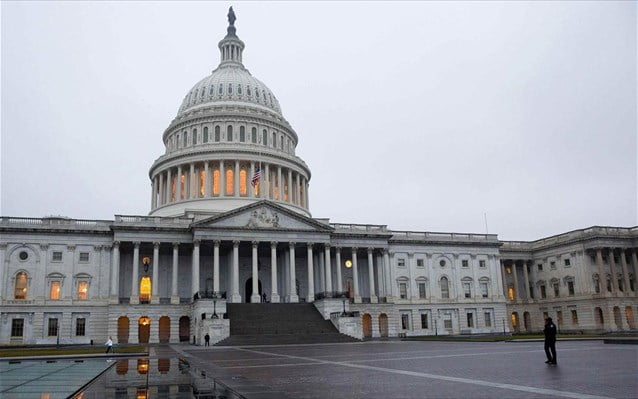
146	261
436	331
503	326
344	308
215	309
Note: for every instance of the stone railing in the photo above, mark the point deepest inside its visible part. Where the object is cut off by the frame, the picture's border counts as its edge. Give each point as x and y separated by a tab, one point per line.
437	236
8	221
210	295
360	228
590	232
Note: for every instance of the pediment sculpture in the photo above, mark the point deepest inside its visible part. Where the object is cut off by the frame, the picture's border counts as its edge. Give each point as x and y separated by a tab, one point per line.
263	218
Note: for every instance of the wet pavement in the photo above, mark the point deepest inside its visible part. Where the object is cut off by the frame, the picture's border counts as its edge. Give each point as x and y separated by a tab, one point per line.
397	369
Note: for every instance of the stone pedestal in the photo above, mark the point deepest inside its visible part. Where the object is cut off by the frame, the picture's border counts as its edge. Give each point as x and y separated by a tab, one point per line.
174	300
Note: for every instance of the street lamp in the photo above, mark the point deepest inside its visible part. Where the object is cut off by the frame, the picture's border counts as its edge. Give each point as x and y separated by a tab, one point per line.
146	261
344	308
215	309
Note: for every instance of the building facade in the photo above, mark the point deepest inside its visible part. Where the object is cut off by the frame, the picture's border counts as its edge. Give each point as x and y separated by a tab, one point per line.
230	222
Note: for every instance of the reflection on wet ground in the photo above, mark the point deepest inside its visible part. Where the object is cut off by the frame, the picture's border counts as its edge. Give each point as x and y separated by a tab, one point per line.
51	379
150	378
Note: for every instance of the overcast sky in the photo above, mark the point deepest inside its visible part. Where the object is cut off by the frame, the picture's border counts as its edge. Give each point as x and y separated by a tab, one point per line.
419	115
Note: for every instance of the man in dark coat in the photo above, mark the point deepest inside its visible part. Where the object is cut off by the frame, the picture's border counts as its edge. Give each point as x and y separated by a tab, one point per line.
550	341
207	340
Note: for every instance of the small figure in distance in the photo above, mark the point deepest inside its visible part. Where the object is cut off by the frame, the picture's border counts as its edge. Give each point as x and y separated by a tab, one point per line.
206	340
109	345
263	297
550	341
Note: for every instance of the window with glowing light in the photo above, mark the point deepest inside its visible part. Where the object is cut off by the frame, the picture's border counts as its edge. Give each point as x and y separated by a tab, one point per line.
285	182
182	186
257	189
230	180
510	293
21	286
54	292
173	188
83	290
243	189
202	183
145	289
216	182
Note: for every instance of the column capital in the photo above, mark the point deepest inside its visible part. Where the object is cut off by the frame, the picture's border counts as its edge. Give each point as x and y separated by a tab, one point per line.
236	243
255	243
273	244
70	247
292	244
137	244
116	244
410	254
327	246
384	251
156	244
216	243
175	245
97	247
310	245
338	248
354	250
197	242
370	250
43	247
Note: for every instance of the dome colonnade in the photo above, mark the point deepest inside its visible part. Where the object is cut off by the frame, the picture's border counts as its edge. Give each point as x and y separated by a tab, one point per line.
229	145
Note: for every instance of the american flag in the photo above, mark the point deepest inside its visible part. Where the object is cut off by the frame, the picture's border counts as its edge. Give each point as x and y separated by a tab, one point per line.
256	176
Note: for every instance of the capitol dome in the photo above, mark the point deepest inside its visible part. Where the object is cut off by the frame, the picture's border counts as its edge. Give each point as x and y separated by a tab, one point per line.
229	145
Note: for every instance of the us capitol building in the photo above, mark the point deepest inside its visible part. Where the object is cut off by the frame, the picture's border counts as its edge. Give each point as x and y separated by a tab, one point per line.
230	222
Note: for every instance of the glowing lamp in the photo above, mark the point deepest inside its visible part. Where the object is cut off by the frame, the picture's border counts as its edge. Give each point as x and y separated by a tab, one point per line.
348	263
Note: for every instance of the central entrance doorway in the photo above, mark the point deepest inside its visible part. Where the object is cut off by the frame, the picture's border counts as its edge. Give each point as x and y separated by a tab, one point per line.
249	289
144	329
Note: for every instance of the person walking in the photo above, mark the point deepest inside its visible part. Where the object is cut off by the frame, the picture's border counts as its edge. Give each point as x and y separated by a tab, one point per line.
109	344
550	341
206	340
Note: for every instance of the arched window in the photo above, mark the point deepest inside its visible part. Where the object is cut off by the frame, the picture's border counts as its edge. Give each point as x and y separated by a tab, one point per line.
229	181
202	183
229	133
21	286
216	182
243	189
274	140
467	287
248	91
145	289
217	133
230	88
264	137
221	89
253	136
205	134
238	89
281	143
212	90
178	140
242	134
445	288
194	136
185	139
257	93
203	92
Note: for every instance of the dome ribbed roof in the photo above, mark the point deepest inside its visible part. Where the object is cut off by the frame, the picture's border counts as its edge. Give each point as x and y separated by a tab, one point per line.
231	83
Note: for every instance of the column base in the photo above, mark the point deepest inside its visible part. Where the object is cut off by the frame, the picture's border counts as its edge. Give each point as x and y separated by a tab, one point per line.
113	300
155	300
135	300
235	298
274	298
374	299
310	298
357	299
294	298
255	299
174	300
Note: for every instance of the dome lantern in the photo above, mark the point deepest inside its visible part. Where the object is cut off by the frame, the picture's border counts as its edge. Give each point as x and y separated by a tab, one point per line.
231	47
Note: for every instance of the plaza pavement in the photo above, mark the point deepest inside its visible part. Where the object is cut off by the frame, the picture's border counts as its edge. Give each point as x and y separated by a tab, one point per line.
427	369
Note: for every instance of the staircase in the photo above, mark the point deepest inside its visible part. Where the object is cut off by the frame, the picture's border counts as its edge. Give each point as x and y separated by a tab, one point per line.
279	324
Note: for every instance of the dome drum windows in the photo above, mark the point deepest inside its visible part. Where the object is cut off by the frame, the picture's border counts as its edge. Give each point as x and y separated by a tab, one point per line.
194	136
217	134
205	138
229	133
253	135
242	134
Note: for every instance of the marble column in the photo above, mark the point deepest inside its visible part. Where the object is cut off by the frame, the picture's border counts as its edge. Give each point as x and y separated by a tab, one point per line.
504	278
191	182
614	275
3	269
115	272
236	297
155	279
178	184
373	295
322	271
222	179
195	269
294	295
255	297
297	190
135	283
266	189
160	200
216	266
625	272
355	276
339	287
236	183
207	182
169	188
174	291
289	186
602	278
274	295
634	266
526	278
280	191
328	269
386	271
154	190
311	277
517	297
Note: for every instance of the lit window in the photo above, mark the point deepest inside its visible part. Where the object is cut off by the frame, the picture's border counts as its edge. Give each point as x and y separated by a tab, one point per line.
173	188
216	182
510	293
84	257
422	290
54	293
145	289
182	186
401	262
420	263
285	188
194	136
243	189
21	286
488	319
57	256
470	320
424	321
242	134
405	321
202	183
83	290
481	263
465	263
445	289
17	327
229	133
80	327
403	290
206	135
229	182
52	330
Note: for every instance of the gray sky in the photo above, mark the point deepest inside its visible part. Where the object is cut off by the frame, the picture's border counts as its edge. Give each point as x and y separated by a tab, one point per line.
418	115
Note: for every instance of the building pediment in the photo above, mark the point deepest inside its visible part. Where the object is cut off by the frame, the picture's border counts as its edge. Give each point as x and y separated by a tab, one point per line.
263	215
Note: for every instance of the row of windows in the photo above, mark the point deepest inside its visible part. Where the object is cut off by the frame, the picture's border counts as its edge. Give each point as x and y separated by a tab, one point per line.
55	285
552	264
253	93
53	327
274	139
425	324
56	256
420	262
444	286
